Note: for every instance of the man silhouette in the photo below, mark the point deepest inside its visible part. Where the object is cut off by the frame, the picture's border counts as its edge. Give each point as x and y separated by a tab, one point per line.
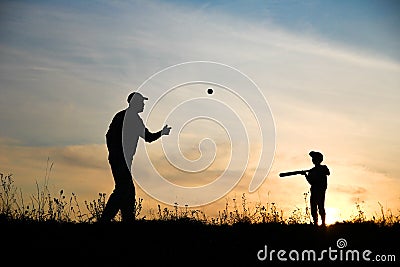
317	178
122	137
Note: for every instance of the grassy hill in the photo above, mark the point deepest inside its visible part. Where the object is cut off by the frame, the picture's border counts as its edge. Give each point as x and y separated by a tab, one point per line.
186	243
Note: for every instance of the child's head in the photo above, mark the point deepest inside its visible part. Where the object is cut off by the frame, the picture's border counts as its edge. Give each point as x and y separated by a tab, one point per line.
316	157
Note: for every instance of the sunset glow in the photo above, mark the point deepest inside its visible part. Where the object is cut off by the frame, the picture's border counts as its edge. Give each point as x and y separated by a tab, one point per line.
333	216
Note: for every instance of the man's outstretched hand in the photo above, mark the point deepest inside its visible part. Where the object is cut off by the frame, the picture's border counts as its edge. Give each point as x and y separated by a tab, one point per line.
165	130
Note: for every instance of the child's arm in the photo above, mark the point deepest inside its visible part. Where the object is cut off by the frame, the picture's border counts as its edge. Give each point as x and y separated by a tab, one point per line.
327	170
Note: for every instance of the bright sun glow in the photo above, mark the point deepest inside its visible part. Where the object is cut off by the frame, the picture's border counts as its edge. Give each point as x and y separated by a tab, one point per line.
332	215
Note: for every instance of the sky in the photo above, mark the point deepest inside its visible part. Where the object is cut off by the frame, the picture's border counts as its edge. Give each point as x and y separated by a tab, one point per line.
329	72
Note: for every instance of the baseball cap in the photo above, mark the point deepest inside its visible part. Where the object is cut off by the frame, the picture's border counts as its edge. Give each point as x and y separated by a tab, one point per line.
138	96
317	155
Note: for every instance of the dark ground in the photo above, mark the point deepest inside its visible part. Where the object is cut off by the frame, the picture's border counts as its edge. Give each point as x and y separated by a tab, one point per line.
170	243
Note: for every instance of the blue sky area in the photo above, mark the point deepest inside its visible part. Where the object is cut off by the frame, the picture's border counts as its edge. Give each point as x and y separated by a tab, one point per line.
373	25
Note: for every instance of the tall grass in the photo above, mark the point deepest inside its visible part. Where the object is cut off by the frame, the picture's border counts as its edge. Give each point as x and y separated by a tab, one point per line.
44	207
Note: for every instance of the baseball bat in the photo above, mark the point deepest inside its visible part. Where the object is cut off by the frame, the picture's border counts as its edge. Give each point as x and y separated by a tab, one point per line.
284	174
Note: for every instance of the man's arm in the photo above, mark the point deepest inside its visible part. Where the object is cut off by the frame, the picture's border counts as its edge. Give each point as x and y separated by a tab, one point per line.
150	137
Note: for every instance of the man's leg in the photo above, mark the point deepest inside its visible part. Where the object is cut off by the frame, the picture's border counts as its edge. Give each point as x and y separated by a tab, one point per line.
112	207
125	189
128	203
121	174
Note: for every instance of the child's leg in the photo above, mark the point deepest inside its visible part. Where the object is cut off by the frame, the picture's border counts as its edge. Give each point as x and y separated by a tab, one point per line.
313	206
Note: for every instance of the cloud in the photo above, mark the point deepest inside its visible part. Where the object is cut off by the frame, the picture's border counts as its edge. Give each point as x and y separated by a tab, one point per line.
358	190
82	170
